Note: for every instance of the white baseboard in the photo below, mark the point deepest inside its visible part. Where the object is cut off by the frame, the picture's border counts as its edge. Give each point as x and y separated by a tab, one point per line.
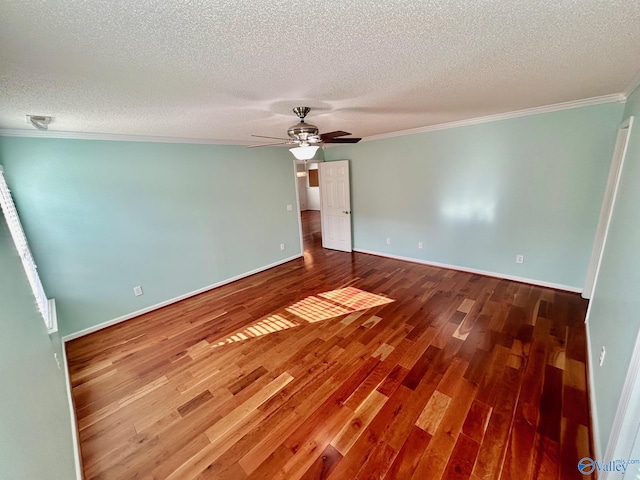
128	316
72	413
514	278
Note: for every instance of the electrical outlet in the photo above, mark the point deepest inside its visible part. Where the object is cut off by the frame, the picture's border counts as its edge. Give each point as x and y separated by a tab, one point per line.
420	245
137	291
519	258
289	208
602	354
282	247
388	241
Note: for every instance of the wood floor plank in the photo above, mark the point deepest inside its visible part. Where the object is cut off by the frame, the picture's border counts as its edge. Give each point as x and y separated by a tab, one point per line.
340	366
324	465
194	403
262	449
518	462
378	462
435	458
219	432
409	455
431	416
551	404
229	421
360	420
462	459
304	457
476	421
491	454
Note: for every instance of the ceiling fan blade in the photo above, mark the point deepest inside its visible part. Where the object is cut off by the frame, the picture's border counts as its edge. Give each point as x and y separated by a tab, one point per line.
275	138
268	144
341	140
337	133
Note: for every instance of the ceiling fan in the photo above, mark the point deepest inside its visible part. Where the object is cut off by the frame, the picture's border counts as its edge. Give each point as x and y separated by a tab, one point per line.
307	137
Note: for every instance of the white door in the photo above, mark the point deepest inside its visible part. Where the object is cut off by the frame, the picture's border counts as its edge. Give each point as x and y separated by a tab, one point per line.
617	162
335	205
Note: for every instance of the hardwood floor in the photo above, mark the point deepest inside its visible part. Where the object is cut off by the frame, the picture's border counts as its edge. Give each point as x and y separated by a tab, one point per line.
340	366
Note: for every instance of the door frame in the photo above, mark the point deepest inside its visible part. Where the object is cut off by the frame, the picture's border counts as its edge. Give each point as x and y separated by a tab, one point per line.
608	202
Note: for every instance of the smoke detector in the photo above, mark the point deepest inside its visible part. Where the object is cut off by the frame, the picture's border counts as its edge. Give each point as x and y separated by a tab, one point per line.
41	122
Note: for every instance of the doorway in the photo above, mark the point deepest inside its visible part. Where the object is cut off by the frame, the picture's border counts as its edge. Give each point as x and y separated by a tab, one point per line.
324	205
308	186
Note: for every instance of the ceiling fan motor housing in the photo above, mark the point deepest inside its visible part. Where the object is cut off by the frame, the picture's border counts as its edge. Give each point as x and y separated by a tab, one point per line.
303	131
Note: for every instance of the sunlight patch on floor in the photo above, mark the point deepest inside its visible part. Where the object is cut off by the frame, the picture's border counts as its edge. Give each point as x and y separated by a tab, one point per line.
311	309
356	299
271	324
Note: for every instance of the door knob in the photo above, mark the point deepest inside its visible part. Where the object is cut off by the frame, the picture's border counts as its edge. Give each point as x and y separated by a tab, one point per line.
344	211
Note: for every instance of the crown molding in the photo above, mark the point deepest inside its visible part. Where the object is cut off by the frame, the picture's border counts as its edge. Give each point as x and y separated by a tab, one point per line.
15	132
586	102
617	97
633	84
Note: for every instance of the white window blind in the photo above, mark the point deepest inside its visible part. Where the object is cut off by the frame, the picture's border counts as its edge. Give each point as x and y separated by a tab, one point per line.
46	307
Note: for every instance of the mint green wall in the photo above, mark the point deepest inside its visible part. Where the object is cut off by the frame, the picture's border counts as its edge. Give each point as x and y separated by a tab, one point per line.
614	319
35	428
103	217
479	195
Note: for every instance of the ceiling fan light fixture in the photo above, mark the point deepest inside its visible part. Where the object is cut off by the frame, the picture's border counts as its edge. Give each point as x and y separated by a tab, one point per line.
305	152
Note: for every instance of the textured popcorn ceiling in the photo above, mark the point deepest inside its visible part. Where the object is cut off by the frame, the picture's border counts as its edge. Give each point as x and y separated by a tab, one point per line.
222	70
